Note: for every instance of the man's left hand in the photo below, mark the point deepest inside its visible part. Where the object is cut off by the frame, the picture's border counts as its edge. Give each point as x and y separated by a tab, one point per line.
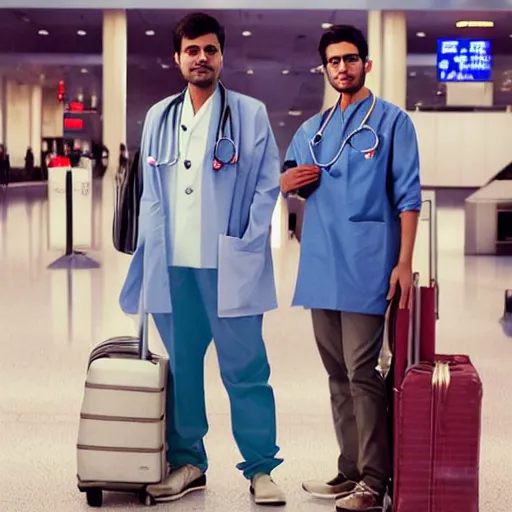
402	276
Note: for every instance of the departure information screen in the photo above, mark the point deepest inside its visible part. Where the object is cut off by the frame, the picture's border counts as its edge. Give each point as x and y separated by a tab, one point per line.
464	60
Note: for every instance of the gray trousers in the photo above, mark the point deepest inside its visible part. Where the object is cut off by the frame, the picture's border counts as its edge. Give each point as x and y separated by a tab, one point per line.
350	345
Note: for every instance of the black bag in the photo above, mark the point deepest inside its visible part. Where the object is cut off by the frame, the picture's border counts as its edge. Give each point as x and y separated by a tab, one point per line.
128	184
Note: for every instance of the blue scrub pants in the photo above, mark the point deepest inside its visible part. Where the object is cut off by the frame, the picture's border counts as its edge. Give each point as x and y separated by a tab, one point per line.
245	371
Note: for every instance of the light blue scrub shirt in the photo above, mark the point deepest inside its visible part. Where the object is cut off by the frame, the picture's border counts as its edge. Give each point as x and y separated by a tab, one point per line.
351	233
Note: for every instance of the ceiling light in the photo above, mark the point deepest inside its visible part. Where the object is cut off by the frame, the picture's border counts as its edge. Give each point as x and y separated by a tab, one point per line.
82	33
165	66
421	34
44	33
281	123
84	71
474	24
150	32
326	26
250	71
285	72
295	113
247	33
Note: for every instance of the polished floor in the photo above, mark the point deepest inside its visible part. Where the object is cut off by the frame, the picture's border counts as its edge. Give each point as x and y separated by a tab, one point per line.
50	320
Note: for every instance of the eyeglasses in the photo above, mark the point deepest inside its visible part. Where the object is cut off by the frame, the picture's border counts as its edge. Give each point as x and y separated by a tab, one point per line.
349	59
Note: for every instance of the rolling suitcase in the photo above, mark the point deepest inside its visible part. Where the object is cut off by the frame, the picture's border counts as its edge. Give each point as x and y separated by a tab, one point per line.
437	401
121	436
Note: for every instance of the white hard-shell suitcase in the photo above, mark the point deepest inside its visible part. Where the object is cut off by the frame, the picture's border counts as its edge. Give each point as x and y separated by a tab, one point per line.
121	437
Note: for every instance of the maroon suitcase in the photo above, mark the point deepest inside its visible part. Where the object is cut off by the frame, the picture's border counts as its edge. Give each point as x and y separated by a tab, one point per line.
437	417
436	408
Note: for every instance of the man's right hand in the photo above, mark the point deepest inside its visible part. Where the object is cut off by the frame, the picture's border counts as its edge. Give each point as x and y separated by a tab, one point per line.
298	177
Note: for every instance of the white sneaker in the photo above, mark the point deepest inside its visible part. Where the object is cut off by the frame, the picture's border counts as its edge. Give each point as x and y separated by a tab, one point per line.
266	491
178	483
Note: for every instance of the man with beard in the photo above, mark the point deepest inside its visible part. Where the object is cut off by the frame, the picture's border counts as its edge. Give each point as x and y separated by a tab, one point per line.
203	264
357	166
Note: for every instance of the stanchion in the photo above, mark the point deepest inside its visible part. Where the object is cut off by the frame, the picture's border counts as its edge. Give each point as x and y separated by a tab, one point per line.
72	259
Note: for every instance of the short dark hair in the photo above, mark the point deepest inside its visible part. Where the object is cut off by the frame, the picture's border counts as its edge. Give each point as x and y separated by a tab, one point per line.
195	25
343	34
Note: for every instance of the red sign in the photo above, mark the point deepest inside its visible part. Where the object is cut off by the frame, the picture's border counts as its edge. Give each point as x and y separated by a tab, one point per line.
76	106
73	123
61	90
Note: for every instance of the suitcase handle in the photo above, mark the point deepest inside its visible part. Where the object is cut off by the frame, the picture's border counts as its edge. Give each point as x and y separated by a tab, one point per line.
432	253
143	329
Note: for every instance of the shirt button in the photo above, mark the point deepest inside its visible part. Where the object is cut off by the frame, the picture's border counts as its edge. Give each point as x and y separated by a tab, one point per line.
189	191
183	127
188	164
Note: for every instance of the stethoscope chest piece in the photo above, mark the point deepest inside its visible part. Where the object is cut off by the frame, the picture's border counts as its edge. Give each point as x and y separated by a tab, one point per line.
224	153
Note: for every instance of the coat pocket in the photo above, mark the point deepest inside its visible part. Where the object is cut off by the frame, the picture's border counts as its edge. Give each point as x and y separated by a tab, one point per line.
246	279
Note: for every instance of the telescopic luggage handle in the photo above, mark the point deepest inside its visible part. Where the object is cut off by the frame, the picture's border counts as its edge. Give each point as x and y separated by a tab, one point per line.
143	335
432	253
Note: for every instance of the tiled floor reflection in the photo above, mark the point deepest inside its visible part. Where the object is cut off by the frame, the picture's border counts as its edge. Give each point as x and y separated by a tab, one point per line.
50	320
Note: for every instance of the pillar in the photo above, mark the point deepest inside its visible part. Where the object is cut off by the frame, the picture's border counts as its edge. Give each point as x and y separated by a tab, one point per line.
36	122
3	109
114	82
394	58
331	95
375	41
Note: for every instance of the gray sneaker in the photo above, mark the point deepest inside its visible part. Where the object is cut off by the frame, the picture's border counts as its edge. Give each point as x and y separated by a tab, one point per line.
336	488
178	484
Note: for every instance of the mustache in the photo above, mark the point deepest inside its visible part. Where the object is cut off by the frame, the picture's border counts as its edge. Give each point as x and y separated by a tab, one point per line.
201	66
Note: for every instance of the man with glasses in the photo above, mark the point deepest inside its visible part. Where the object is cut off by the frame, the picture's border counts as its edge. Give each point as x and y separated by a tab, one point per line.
357	167
203	262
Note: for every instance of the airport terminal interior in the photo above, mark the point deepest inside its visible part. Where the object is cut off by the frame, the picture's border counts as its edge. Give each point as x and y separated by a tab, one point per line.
54	97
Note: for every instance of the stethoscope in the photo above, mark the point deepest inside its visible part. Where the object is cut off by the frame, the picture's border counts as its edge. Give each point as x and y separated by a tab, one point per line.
363	126
224	152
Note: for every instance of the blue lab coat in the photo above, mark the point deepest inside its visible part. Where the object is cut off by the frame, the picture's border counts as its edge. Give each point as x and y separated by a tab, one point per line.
351	232
243	200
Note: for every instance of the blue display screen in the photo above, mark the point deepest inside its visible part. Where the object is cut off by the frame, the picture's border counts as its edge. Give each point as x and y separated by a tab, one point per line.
464	60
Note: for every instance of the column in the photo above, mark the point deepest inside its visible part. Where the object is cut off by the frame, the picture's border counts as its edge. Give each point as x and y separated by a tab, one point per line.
36	122
114	82
331	95
374	38
394	58
3	109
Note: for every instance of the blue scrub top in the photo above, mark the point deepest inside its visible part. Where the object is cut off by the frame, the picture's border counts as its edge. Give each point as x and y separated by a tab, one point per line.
351	233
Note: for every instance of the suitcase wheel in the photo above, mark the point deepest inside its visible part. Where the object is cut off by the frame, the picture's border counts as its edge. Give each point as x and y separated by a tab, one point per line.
94	497
147	499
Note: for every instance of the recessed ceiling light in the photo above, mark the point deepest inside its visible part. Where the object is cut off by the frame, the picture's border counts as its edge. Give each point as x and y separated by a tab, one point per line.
84	71
474	24
150	32
250	71
421	34
247	33
281	123
165	66
285	71
82	33
295	113
326	26
44	33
